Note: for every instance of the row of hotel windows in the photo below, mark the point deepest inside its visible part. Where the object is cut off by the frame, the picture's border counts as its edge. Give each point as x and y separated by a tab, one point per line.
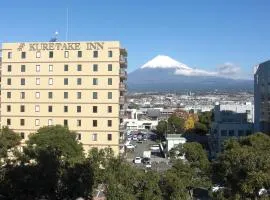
66	54
50	81
50	122
94	136
50	108
50	95
66	68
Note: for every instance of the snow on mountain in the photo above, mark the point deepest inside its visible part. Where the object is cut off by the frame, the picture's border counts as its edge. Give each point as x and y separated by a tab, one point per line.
162	61
165	62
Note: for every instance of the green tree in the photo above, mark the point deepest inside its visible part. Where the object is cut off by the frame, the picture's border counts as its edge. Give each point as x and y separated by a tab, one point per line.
206	118
176	125
161	129
195	171
8	140
243	167
200	128
58	138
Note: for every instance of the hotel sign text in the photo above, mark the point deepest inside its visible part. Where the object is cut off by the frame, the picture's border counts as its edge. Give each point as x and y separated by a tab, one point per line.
51	46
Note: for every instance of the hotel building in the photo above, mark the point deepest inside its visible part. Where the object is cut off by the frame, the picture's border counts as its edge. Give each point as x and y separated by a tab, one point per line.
76	84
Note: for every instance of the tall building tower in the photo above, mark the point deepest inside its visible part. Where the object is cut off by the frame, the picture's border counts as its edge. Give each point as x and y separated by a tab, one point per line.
76	84
262	97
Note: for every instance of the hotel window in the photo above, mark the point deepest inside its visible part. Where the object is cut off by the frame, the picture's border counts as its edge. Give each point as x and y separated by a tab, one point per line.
94	137
95	109
109	95
79	137
79	95
110	54
8	95
95	95
37	108
109	81
37	68
95	67
22	122
109	123
109	67
66	54
79	109
50	95
50	68
50	108
50	54
22	135
79	54
65	95
241	133
65	108
37	81
38	54
8	121
22	95
50	122
8	108
22	81
95	81
79	122
9	68
65	68
22	108
65	122
9	81
79	68
22	68
37	95
94	123
23	55
50	81
109	137
65	81
79	81
9	55
109	109
37	122
95	54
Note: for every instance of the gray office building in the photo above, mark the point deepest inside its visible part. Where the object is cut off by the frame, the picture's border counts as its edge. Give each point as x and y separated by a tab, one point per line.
262	97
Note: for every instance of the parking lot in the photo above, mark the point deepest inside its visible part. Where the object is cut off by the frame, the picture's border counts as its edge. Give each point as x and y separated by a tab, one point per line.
158	161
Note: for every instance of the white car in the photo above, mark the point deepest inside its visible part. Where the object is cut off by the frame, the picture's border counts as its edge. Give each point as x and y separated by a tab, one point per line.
130	146
137	160
135	138
155	147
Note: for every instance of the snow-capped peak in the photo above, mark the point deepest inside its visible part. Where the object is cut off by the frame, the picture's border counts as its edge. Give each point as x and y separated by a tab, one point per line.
162	61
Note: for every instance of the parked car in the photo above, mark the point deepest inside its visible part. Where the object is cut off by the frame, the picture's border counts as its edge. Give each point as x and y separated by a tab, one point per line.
135	138
148	164
155	147
137	160
145	160
130	146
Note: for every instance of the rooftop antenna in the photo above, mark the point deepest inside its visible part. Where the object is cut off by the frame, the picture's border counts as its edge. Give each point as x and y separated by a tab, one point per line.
54	38
67	25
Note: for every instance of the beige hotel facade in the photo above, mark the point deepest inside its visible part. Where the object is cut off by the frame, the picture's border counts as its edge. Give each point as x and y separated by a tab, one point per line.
77	84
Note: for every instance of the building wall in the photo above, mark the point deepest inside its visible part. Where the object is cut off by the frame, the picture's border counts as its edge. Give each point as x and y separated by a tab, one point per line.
262	97
40	80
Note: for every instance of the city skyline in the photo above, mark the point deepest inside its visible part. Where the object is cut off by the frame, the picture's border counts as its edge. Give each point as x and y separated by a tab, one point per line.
202	35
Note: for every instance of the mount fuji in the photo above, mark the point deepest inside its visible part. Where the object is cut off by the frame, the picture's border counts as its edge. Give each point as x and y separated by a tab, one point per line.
163	73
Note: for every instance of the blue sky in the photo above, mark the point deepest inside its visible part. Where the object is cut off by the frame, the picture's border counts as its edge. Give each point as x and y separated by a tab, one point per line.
202	34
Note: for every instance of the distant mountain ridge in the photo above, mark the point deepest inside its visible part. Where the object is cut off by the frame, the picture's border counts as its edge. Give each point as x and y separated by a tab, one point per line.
166	74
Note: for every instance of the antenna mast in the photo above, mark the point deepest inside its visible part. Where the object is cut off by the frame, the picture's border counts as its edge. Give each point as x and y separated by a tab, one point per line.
67	25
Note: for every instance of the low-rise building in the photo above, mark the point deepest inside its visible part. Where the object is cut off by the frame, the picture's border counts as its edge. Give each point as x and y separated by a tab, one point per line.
230	121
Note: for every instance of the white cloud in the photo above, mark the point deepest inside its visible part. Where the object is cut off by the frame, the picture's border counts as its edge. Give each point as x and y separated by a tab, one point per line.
225	70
